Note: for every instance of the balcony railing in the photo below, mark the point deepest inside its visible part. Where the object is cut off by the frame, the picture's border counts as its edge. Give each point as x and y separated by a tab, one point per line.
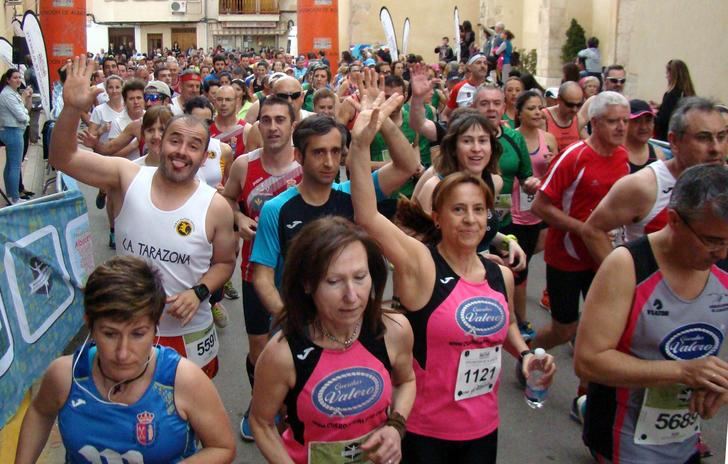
249	7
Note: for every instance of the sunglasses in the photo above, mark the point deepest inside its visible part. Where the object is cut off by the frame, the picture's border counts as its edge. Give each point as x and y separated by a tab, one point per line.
289	96
572	105
617	80
152	97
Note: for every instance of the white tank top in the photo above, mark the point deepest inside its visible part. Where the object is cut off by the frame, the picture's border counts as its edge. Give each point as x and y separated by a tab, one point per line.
174	241
211	169
656	219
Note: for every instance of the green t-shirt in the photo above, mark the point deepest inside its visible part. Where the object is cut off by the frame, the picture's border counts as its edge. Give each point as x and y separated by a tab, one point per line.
308	97
511	123
378	150
514	162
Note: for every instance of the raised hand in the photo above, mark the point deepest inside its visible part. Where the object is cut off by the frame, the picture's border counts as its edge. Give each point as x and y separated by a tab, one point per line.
369	84
77	90
372	116
419	81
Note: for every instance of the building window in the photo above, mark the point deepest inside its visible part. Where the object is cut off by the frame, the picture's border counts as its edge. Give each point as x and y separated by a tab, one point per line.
249	7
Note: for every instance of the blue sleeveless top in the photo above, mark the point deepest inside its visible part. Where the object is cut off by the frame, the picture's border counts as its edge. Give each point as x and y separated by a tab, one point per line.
148	431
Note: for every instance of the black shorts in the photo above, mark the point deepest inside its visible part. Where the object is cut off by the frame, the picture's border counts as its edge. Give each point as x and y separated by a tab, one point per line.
527	236
257	318
419	449
564	289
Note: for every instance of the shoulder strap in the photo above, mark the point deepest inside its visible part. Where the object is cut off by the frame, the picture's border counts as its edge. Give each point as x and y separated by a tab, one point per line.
510	140
643	258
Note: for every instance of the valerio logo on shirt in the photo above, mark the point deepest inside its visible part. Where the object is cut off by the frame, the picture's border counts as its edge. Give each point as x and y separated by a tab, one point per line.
348	392
480	316
184	227
692	341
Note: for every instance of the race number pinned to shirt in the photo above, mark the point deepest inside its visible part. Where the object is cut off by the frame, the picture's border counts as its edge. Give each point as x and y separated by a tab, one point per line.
526	200
478	372
202	346
665	416
335	452
503	203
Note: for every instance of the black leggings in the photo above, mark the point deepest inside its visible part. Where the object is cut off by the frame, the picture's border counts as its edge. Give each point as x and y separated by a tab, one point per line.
418	449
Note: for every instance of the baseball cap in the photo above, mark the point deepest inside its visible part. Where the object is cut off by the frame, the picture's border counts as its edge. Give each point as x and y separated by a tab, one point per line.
639	107
552	92
160	87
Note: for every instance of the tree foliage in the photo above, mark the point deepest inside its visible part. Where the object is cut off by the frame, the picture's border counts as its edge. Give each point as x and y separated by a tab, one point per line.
575	41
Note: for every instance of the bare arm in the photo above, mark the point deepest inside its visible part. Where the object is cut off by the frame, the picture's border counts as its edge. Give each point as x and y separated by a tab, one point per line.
253	138
623	204
219	227
417	120
274	377
252	114
603	321
198	399
232	191
41	415
553	216
86	166
227	162
265	286
412	261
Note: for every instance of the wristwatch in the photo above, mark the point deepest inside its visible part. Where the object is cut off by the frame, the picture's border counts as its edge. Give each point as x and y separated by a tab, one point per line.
201	291
524	353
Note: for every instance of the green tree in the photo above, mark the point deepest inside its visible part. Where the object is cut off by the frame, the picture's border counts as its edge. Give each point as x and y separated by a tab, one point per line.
575	41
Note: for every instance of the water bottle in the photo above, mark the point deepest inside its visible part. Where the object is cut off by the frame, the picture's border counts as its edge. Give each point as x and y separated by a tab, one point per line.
535	394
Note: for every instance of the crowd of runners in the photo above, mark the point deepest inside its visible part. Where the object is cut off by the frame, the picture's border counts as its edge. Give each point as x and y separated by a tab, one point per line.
325	180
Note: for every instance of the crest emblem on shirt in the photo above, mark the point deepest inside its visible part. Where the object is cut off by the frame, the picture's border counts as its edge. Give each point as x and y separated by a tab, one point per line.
348	392
184	227
480	316
211	154
692	341
145	433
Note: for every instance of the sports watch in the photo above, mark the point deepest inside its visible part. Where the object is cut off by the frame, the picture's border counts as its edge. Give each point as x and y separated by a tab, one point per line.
201	291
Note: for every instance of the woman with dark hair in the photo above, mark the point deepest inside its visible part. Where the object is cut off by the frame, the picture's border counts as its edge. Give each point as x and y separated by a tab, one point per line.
122	396
530	83
243	98
154	122
679	85
14	118
471	145
458	305
341	366
570	72
467	38
525	226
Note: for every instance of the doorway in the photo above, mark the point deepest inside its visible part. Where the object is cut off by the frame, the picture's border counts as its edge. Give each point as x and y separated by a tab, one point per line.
185	38
154	42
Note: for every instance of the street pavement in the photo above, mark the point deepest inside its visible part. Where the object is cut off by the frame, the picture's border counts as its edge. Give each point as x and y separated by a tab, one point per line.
525	435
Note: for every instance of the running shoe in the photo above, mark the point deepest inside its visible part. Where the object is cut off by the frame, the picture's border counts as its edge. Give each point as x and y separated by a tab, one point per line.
246	433
545	302
229	291
527	331
703	448
578	409
112	241
101	199
219	315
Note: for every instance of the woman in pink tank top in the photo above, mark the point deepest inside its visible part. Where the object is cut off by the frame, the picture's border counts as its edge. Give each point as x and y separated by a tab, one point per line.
526	226
342	368
457	303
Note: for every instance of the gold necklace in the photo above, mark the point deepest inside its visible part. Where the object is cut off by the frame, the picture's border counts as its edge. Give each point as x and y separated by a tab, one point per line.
346	342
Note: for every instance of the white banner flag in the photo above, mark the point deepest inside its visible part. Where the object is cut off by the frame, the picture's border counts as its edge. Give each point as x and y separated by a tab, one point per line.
405	36
36	47
391	38
456	19
6	52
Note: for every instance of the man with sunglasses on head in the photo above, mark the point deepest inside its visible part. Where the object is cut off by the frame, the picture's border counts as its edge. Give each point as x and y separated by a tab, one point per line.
652	329
562	119
639	202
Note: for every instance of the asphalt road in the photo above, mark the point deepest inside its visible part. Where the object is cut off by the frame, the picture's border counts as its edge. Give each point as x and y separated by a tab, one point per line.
525	435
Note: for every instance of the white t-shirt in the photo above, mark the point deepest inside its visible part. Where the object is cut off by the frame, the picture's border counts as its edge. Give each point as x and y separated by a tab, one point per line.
104	114
103	97
176	107
117	127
